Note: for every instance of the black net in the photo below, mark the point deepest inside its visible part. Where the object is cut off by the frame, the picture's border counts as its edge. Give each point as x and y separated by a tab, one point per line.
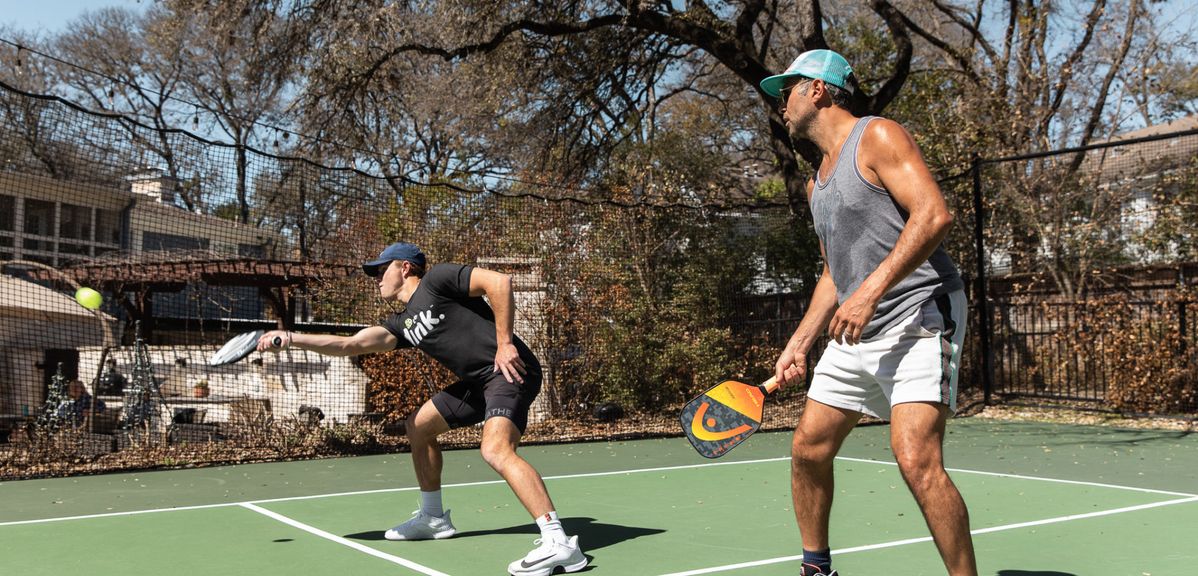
634	295
633	304
1090	257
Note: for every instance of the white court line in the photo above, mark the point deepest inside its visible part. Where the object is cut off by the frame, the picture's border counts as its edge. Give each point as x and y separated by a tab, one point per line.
378	491
1036	478
561	477
111	514
344	542
779	560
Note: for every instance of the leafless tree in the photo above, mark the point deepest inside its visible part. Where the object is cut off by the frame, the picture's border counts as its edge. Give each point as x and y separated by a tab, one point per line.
130	63
239	63
581	77
37	132
1054	75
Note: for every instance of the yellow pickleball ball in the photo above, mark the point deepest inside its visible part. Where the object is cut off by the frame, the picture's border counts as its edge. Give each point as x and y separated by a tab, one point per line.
88	298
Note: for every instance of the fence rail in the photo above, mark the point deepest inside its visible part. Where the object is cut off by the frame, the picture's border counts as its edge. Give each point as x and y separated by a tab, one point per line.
1127	354
614	297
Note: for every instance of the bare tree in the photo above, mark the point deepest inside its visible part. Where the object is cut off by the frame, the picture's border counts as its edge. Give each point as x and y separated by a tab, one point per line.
38	134
587	78
1055	75
130	63
585	75
238	63
405	128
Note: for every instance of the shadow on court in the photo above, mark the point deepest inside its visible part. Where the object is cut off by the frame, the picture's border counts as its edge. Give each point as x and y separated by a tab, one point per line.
1033	573
592	535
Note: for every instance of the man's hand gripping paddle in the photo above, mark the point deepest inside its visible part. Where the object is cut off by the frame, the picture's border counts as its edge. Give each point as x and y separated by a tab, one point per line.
724	416
239	347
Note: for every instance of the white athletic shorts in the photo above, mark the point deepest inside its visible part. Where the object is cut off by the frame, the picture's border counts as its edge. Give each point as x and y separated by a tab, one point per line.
915	361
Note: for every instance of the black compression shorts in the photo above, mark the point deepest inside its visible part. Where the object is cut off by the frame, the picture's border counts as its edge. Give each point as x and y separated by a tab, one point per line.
469	402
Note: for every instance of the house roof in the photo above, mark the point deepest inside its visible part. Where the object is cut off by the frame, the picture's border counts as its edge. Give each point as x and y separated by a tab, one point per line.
42	187
177	268
157	211
1179	125
116	196
1138	159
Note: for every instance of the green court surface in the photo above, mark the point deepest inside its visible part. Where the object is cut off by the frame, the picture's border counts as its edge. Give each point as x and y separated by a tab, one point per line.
1044	500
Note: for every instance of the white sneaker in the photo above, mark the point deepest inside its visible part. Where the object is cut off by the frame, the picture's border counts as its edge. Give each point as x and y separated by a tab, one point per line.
547	556
423	527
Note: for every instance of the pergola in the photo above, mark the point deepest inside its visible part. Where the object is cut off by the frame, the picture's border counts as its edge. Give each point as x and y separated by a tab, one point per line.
138	277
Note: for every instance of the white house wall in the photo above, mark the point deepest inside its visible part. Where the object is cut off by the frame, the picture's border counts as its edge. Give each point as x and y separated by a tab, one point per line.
288	380
224	236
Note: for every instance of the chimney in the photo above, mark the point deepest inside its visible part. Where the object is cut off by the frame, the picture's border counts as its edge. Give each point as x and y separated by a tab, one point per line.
154	184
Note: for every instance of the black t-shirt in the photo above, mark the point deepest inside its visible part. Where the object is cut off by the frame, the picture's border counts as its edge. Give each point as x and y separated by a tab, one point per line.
456	329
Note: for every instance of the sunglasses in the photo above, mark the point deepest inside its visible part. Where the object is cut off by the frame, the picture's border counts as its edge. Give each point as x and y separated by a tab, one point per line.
785	92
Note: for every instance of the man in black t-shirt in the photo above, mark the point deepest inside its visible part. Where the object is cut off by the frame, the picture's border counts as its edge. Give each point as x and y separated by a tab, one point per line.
446	316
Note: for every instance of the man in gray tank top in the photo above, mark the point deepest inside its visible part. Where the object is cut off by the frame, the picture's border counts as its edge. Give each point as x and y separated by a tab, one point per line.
891	300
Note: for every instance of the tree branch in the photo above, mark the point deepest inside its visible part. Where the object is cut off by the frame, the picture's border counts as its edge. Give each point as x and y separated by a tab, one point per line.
897	23
811	29
523	25
896	19
975	35
1096	111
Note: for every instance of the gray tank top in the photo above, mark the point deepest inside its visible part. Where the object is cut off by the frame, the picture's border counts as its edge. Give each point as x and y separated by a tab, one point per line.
859	224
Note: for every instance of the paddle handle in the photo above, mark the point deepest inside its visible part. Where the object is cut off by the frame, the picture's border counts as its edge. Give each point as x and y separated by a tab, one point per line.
277	341
770	385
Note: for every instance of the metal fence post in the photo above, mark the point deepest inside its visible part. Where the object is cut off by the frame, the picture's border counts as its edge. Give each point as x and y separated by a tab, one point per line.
1182	304
1181	328
979	217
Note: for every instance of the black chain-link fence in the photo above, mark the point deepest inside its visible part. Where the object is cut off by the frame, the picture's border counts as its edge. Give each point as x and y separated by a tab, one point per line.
1088	258
634	302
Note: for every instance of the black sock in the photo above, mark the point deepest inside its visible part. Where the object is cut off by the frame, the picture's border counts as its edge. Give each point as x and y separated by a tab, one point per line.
821	559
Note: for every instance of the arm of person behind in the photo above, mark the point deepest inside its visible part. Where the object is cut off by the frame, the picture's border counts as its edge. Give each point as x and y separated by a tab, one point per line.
497	288
366	341
891	158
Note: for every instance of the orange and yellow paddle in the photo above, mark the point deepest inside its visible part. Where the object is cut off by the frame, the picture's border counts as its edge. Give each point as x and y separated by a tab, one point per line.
724	416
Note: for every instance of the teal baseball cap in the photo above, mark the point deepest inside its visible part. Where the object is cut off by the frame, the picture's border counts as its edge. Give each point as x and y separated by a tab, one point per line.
824	65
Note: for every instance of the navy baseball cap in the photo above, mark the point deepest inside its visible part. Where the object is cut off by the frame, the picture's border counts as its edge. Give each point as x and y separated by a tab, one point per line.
824	65
396	251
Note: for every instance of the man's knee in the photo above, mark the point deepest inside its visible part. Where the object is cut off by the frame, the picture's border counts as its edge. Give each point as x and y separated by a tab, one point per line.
922	469
420	430
807	451
497	452
500	439
821	430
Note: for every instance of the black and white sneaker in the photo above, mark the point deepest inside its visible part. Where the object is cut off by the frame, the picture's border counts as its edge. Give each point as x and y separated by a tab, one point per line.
813	570
549	555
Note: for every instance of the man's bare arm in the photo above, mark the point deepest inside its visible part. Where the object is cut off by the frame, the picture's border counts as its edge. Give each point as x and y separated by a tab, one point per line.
366	341
896	160
497	288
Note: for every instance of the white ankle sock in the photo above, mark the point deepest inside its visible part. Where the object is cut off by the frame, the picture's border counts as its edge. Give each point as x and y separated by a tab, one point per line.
430	503
551	527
